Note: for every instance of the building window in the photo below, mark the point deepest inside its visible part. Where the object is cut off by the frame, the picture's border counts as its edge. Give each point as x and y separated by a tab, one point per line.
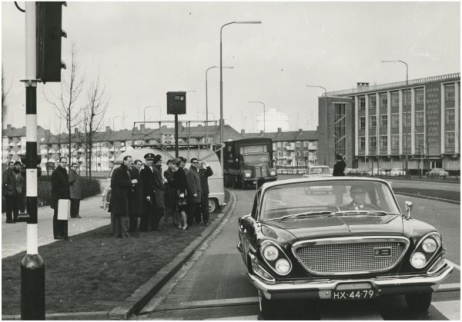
362	103
274	146
372	102
395	141
298	144
372	143
279	144
372	122
395	120
407	141
407	119
362	123
383	100
407	98
306	153
419	118
449	92
384	121
383	142
419	142
450	139
362	143
305	144
419	96
395	99
449	116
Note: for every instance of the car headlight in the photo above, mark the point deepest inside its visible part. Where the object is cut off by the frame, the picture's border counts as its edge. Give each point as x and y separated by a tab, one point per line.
429	245
247	174
272	173
282	266
271	253
418	260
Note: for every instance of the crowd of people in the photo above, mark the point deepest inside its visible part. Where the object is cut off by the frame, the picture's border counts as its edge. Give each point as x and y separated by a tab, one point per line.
14	191
144	198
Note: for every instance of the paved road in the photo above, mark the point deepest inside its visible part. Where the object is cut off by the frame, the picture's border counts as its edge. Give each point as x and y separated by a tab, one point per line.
214	285
14	236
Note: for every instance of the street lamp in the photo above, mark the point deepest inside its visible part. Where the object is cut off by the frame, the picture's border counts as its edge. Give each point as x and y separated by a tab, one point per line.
144	111
207	100
399	61
325	91
264	113
113	126
221	79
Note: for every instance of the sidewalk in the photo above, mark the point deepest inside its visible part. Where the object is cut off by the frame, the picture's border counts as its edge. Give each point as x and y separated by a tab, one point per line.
14	236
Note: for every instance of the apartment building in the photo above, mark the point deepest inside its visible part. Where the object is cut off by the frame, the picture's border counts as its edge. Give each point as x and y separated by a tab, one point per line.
291	148
412	125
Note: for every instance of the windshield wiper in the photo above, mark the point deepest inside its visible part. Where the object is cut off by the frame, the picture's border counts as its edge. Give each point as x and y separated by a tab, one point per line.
305	214
361	212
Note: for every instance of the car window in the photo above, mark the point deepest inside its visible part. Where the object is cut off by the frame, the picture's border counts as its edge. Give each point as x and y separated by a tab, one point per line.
322	196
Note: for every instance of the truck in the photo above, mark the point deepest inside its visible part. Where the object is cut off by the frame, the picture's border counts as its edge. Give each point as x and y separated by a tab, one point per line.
248	161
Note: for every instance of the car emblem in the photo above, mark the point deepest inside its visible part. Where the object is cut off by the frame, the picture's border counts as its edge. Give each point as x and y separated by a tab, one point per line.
382	252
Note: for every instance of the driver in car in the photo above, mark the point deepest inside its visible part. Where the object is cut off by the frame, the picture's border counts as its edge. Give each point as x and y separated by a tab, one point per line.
358	194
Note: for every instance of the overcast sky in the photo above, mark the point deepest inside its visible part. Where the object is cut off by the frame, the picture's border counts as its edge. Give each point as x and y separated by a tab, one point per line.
144	50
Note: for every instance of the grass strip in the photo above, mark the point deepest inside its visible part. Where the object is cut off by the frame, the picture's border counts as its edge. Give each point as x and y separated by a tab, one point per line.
94	271
443	194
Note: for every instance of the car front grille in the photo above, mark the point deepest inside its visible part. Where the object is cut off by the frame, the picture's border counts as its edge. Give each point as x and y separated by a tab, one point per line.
345	256
260	171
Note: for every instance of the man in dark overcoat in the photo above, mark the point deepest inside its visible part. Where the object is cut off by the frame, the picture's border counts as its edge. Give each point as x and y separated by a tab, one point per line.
205	171
147	180
159	202
59	190
339	171
121	190
194	190
12	183
137	197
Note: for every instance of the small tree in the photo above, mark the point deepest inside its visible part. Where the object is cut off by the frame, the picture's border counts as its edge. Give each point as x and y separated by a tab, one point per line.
95	109
71	89
4	96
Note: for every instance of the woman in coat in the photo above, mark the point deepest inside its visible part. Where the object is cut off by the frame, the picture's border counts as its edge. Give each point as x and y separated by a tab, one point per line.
181	188
121	189
137	197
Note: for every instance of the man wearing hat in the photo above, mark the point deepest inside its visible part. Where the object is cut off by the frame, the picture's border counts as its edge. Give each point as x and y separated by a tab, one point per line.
358	195
147	180
194	190
12	187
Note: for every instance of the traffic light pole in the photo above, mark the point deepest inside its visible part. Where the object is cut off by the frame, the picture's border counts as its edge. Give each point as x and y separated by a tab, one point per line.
176	135
32	265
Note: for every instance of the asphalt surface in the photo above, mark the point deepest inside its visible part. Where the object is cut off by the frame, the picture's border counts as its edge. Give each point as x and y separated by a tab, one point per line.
14	241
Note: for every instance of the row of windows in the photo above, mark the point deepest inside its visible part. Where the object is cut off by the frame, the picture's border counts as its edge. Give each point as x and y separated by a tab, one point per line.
419	119
419	141
298	144
449	95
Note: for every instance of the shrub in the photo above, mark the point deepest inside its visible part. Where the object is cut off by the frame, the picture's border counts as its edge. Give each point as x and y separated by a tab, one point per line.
90	188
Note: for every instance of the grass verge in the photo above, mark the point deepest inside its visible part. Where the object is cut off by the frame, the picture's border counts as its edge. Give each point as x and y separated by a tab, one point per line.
443	194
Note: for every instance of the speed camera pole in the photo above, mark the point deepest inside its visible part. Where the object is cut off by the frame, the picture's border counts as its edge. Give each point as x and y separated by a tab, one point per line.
176	104
32	265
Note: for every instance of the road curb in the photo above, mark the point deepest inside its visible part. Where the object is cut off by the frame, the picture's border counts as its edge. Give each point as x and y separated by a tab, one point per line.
145	292
428	197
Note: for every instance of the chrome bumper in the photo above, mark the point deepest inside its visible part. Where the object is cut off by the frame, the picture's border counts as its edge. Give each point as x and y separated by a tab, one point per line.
322	288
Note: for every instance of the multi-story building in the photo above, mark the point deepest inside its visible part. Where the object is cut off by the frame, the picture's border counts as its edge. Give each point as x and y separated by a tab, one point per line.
291	148
412	125
107	145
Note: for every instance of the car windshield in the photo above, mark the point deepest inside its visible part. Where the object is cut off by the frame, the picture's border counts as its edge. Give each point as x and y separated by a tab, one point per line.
319	170
256	158
324	198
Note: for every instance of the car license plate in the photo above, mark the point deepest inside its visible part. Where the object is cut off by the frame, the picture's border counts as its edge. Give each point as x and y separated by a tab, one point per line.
354	294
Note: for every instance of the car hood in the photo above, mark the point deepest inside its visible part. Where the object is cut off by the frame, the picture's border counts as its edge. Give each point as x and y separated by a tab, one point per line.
344	226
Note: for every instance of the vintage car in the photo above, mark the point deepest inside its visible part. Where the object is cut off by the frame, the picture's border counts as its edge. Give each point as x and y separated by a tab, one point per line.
298	246
437	173
318	171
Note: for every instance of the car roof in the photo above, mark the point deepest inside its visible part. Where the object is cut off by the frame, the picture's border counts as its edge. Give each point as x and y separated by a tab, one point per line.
317	179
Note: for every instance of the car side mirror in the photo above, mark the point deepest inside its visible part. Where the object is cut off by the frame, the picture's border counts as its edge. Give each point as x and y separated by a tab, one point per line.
408	209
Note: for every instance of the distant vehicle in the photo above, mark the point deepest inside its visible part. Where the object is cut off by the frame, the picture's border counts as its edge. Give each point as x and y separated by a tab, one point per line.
397	172
438	173
217	193
318	171
248	161
359	173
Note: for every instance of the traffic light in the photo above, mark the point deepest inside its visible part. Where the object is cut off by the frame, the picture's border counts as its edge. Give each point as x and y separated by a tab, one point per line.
49	33
176	103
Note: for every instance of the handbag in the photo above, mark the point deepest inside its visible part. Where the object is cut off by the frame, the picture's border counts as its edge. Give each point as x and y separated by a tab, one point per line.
182	200
64	209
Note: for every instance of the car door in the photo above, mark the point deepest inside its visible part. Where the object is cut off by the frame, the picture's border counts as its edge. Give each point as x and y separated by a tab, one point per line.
247	229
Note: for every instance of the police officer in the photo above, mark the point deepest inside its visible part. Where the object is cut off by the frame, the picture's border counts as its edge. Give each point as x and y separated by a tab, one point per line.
147	180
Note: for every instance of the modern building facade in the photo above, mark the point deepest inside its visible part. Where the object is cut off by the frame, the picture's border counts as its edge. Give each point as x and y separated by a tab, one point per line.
412	125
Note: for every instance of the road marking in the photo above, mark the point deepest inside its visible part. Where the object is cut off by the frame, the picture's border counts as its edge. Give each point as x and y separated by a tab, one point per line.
450	309
246	318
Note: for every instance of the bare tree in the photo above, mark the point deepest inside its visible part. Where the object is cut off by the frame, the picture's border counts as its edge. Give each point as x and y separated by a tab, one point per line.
4	96
71	88
95	109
